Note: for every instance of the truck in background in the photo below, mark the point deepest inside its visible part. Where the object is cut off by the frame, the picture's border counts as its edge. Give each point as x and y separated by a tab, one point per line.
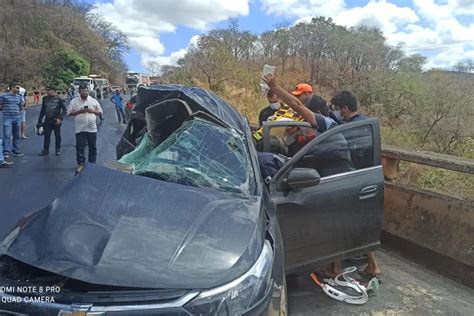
134	80
102	84
83	80
92	82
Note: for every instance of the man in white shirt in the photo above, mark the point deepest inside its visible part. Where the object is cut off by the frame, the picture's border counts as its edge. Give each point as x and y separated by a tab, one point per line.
85	110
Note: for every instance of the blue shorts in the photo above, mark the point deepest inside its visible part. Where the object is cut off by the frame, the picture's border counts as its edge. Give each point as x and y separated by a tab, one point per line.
23	116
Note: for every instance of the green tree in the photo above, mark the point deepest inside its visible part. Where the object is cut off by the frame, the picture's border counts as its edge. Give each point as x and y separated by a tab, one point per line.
64	66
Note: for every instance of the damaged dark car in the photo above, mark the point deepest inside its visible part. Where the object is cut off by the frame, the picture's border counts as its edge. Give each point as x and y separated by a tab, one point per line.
186	224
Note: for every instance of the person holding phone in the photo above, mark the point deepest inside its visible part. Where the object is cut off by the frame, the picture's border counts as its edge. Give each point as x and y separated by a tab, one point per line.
85	110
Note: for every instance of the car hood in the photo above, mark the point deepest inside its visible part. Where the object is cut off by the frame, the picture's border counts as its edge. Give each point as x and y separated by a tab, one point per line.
119	229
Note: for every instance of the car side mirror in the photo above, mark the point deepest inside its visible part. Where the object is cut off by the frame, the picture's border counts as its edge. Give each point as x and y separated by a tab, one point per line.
302	178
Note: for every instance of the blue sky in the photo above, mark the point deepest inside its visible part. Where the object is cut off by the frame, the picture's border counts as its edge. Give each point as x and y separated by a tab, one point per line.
161	30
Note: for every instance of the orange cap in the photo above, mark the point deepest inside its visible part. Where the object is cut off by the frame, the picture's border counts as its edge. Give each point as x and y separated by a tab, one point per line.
302	87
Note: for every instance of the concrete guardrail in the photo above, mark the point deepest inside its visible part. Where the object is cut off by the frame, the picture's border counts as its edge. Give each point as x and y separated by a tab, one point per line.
434	228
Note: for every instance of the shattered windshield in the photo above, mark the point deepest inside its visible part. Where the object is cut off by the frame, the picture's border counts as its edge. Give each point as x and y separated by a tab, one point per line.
199	154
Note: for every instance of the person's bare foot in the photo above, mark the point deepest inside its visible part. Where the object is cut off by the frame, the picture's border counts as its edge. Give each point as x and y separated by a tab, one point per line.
372	265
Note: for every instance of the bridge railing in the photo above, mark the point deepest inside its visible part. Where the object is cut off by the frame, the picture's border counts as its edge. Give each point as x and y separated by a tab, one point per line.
392	156
439	227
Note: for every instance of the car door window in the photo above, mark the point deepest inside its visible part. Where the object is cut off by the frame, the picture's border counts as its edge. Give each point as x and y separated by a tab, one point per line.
288	140
349	150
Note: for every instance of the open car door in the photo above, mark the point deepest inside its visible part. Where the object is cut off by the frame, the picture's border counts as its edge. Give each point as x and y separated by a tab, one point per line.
329	195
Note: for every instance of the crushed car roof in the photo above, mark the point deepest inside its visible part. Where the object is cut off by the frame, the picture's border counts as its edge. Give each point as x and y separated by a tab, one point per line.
198	99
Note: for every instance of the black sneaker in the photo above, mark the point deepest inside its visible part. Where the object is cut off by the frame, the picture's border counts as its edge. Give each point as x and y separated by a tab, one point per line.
18	154
58	151
6	164
6	154
43	153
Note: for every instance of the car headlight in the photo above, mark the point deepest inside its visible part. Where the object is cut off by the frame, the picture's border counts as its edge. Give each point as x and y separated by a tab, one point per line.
238	296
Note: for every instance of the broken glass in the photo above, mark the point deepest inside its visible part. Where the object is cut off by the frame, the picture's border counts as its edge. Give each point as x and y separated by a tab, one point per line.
200	154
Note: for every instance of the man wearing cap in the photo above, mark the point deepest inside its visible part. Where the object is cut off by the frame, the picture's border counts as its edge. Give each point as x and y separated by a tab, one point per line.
53	110
296	99
303	92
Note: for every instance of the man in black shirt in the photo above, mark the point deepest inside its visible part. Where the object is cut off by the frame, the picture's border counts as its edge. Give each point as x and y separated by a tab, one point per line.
53	110
274	106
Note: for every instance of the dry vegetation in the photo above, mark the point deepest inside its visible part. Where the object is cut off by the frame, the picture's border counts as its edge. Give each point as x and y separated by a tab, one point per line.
430	110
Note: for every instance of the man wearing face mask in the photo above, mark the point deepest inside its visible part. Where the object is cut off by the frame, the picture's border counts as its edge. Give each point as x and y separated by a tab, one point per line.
274	106
346	107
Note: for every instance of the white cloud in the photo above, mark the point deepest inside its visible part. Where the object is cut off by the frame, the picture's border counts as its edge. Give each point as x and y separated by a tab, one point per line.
303	8
144	20
431	11
386	16
426	25
147	45
173	58
444	59
462	7
415	38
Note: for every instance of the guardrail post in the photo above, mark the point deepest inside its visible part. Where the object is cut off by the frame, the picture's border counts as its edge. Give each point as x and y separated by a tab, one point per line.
390	168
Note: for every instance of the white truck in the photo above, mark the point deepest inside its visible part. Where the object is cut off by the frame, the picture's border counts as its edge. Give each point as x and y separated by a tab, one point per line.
84	80
134	80
92	82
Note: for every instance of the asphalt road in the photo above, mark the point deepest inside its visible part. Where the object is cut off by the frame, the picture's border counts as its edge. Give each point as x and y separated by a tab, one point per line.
34	181
407	288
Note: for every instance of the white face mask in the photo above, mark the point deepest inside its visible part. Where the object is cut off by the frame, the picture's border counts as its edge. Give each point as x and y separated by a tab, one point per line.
275	106
338	115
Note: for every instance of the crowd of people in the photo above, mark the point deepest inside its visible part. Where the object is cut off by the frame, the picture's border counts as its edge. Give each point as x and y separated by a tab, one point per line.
84	108
322	116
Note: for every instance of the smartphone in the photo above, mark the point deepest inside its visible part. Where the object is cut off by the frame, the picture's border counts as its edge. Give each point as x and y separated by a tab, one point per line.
267	69
86	107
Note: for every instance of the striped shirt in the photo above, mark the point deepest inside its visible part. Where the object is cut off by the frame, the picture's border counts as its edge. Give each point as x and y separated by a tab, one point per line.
11	104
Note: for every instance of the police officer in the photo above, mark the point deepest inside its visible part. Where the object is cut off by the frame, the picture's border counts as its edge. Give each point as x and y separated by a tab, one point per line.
53	110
